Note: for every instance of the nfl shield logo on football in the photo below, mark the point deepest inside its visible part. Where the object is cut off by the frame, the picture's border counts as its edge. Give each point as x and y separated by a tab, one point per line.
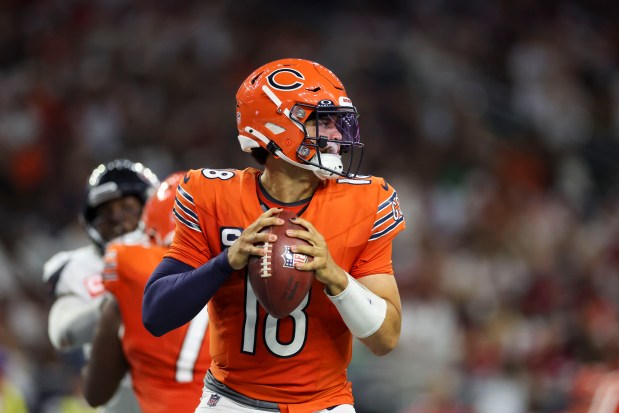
290	258
212	402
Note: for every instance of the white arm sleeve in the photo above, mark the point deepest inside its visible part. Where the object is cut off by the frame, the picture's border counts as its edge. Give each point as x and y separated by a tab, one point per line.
363	311
72	321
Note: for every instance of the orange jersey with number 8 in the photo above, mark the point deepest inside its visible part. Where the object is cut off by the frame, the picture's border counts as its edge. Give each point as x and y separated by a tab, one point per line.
299	361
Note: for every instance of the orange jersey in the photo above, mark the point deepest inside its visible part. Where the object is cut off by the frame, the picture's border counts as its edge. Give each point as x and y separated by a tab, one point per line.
167	372
299	361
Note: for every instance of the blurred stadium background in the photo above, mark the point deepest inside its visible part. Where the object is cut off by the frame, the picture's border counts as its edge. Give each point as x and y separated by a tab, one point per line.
496	121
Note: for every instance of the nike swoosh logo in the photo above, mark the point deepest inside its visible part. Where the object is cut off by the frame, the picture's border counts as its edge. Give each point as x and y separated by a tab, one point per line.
186	178
385	186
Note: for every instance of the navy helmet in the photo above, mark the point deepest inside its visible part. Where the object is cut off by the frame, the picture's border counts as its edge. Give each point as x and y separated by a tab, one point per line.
111	181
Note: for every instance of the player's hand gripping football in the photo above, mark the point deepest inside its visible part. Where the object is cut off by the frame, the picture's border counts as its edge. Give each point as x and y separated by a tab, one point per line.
326	270
249	242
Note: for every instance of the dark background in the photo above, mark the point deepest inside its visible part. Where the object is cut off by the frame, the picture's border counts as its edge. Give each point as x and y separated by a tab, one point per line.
496	121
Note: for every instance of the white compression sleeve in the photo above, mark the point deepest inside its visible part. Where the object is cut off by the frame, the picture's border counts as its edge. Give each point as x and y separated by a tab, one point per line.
72	321
363	311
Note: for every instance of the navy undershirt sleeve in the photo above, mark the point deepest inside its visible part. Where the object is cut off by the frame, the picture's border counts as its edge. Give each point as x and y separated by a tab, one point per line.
176	292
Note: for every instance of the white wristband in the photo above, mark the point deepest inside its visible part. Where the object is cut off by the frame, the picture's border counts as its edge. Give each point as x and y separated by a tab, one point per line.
362	310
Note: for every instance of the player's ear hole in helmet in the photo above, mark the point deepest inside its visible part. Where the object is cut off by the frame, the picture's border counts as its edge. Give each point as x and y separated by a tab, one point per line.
120	179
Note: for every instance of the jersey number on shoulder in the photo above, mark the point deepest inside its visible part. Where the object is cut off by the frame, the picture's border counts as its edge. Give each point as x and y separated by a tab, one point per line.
192	344
270	327
223	174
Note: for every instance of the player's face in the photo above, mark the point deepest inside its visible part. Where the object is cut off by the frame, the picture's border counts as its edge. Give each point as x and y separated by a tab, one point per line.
118	217
327	128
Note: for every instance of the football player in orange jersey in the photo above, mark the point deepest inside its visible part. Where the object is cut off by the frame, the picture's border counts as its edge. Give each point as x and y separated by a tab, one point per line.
166	372
295	118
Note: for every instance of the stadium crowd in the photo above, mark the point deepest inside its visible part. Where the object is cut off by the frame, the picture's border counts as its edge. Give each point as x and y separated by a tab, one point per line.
498	123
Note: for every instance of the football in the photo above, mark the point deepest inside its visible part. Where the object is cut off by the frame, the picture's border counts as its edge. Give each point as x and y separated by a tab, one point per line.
278	285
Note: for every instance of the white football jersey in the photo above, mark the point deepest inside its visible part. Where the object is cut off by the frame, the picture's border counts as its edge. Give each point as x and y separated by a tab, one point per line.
75	272
78	273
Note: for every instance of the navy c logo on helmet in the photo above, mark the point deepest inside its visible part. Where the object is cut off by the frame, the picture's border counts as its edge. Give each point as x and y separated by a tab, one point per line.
288	84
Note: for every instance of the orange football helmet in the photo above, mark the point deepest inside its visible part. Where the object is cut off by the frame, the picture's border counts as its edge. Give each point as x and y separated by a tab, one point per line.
157	219
274	103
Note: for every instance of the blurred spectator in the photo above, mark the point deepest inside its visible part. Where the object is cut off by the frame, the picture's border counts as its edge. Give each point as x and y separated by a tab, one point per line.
11	398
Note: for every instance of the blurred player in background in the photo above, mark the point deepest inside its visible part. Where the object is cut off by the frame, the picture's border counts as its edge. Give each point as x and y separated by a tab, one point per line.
295	118
115	195
166	372
595	389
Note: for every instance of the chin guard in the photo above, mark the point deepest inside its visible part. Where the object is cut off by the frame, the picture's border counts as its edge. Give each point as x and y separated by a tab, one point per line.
331	166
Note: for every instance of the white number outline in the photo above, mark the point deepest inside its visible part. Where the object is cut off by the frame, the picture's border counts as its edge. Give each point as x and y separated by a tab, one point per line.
270	326
223	174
